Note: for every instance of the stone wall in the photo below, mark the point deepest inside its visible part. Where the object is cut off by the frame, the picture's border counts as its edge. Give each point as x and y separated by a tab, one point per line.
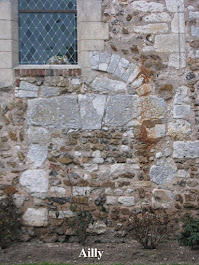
119	136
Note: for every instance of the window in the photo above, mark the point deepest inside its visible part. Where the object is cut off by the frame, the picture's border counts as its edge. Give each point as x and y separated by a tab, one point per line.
47	32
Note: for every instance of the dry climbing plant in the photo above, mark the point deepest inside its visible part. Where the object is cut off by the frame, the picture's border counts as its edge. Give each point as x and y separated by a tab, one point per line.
82	218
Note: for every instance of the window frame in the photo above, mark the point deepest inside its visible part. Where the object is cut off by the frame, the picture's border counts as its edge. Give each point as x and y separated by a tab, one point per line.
48	11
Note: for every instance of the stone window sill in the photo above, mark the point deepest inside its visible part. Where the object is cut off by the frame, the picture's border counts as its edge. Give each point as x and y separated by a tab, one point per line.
47	70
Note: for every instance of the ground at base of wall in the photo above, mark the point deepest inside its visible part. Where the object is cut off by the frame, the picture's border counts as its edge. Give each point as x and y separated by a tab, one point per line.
168	252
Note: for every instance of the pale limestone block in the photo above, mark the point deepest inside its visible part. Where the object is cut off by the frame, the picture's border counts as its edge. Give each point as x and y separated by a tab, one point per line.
113	63
91	45
58	190
84	59
138	82
36	217
89	10
81	191
177	60
92	109
178	23
179	129
175	5
167	43
195	31
108	85
134	74
37	154
162	174
121	67
111	200
93	31
128	72
6	78
183	174
162	198
182	96
181	111
158	17
127	201
151	28
144	6
8	46
34	181
158	131
6	60
94	59
193	15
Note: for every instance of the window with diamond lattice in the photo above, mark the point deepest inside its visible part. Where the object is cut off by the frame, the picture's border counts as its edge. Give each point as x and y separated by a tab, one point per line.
47	32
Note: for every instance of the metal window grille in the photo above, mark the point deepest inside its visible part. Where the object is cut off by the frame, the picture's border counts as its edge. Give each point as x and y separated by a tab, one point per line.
47	32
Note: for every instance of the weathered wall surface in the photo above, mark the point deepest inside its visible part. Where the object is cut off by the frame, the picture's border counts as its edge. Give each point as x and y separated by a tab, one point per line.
124	134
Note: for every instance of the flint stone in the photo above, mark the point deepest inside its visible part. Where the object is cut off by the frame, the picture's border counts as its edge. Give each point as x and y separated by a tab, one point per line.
37	154
144	6
36	217
152	107
181	111
92	109
151	28
34	181
161	174
58	112
37	135
107	85
186	149
127	201
121	109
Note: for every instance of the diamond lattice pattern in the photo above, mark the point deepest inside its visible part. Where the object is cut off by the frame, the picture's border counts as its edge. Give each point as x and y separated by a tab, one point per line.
44	35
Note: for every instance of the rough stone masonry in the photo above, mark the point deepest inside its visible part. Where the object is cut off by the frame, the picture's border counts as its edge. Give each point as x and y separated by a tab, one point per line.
120	132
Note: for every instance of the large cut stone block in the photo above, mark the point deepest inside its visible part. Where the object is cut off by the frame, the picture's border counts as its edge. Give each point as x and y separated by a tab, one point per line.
108	85
34	181
91	111
162	174
175	5
169	43
121	109
147	6
186	149
57	112
151	28
152	107
37	154
36	217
